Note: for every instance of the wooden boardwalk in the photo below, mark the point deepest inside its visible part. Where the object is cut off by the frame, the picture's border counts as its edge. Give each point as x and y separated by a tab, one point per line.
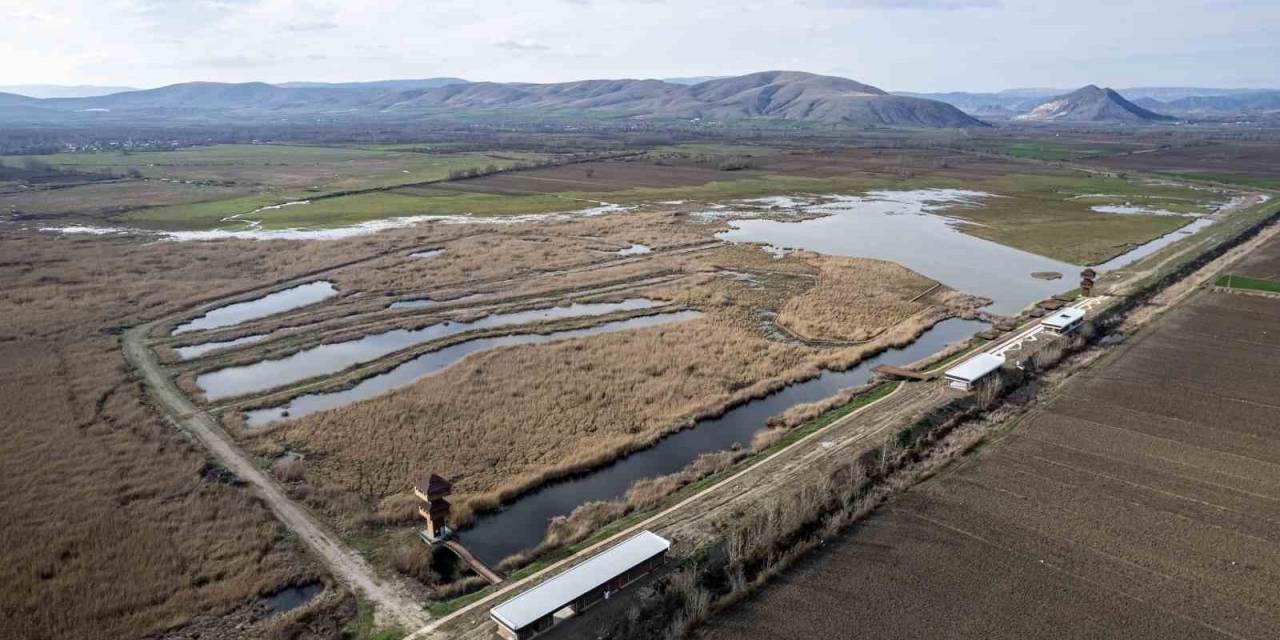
473	562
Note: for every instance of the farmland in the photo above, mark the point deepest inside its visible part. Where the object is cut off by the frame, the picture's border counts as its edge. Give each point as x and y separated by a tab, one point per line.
691	327
1248	163
1137	503
231	186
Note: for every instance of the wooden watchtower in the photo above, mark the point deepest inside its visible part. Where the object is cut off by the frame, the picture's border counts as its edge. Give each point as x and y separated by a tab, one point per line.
433	491
1086	281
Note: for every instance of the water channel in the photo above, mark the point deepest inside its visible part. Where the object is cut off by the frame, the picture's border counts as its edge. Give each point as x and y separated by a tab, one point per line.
434	361
336	356
190	351
522	524
268	305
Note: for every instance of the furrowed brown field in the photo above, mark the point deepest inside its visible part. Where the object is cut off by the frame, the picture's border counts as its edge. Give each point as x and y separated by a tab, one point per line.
1140	503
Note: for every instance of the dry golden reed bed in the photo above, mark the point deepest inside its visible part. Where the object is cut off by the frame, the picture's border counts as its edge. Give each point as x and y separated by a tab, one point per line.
503	421
113	525
854	300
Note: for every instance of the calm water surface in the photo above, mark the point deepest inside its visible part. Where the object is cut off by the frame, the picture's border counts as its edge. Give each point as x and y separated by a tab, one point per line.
899	226
334	357
434	361
902	227
191	351
292	597
268	305
522	524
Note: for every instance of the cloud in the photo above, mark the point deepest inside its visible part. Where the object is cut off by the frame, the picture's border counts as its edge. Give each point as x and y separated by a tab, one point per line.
523	45
305	27
923	5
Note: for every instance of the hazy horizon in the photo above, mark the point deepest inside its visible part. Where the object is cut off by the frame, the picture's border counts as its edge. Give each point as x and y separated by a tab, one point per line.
898	45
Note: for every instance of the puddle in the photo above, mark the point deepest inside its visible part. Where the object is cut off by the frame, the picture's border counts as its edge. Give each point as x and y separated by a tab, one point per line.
785	202
522	524
427	253
292	597
418	303
634	249
334	357
1136	210
189	352
268	305
750	279
434	361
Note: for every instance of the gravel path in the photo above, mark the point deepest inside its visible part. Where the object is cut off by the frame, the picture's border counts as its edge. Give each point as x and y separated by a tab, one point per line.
394	605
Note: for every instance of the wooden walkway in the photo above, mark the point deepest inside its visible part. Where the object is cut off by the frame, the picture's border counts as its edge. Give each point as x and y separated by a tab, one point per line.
473	562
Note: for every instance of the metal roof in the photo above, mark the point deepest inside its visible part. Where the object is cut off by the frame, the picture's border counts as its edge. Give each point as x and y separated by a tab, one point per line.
1063	318
975	367
554	594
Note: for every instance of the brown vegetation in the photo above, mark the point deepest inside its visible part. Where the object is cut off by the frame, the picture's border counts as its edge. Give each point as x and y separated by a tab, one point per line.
115	525
854	300
599	397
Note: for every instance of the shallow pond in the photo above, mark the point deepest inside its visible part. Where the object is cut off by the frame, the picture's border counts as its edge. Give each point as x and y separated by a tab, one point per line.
191	351
635	249
522	524
1128	209
336	356
899	226
292	597
427	253
268	305
902	227
427	363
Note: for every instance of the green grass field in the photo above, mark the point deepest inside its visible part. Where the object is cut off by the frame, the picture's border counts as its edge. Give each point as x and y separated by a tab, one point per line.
1049	150
1040	211
1261	182
1244	282
1044	214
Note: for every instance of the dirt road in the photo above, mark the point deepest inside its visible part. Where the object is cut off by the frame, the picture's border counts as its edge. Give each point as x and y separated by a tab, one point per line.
393	604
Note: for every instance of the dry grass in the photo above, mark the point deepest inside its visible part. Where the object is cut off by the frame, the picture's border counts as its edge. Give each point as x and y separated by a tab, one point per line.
114	526
607	394
482	253
497	431
854	300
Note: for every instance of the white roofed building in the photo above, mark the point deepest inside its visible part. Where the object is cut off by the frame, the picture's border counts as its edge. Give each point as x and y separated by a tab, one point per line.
538	609
1064	320
964	375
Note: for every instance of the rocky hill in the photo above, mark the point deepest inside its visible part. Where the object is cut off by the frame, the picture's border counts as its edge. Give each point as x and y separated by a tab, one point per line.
1090	104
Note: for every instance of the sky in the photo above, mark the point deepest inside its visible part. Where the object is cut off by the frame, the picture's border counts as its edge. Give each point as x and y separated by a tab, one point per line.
898	45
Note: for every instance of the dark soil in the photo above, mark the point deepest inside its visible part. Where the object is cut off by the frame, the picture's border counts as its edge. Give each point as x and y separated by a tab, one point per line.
1142	503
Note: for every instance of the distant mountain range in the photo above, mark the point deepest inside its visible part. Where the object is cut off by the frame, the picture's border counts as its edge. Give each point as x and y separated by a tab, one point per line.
1090	104
61	91
774	95
778	95
390	85
1175	101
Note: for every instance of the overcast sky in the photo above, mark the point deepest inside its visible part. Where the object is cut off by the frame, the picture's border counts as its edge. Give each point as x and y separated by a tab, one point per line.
932	45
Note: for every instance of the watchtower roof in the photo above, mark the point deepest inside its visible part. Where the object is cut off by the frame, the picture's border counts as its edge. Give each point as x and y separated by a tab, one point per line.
434	485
